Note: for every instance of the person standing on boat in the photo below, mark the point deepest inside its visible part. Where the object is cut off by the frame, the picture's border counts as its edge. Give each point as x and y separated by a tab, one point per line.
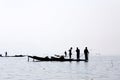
86	52
65	54
5	54
70	52
78	53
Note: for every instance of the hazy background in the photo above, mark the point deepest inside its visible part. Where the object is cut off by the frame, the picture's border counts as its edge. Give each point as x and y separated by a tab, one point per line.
52	26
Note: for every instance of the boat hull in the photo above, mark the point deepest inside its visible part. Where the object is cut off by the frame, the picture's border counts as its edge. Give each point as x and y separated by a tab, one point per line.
54	59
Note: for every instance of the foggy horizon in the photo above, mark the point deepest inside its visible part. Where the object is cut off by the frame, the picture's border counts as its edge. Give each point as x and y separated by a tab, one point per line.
52	27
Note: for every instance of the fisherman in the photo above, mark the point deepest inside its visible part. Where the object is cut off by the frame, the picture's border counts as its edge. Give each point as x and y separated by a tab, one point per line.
70	52
65	54
5	54
86	52
78	53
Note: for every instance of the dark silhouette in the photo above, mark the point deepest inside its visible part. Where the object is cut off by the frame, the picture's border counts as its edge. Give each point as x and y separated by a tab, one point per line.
0	55
61	58
70	52
78	53
86	52
28	58
19	56
5	54
65	54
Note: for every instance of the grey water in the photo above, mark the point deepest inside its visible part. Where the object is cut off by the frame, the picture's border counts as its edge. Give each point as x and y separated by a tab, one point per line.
98	68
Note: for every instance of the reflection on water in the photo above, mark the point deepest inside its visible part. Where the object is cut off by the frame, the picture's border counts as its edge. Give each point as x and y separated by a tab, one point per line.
98	68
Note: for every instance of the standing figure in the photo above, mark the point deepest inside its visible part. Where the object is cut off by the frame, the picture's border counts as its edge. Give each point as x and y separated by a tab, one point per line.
86	52
70	52
65	54
78	53
5	54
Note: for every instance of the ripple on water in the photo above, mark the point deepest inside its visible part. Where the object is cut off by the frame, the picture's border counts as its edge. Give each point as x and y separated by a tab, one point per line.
101	68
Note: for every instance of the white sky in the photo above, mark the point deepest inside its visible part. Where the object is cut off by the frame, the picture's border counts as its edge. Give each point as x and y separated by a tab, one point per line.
52	26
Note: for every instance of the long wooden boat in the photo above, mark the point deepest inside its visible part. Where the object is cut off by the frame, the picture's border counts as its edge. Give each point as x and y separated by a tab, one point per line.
54	59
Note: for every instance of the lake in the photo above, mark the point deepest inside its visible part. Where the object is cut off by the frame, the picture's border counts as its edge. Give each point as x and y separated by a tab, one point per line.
98	68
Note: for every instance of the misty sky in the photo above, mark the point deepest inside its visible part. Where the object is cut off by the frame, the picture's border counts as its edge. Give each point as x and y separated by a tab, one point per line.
52	26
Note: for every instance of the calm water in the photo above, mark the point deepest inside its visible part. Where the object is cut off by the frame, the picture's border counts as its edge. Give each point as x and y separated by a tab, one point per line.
98	68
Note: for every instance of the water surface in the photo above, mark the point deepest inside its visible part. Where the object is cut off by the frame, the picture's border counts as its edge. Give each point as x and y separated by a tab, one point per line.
98	68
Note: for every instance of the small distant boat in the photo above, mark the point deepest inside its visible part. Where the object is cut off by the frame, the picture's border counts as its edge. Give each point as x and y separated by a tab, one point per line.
14	56
19	56
54	59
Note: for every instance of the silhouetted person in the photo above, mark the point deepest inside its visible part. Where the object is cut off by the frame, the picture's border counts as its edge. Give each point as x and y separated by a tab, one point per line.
65	53
86	52
78	53
70	52
5	54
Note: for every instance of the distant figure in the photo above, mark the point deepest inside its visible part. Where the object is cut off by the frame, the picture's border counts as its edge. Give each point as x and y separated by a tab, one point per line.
78	53
70	52
5	54
86	52
65	54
